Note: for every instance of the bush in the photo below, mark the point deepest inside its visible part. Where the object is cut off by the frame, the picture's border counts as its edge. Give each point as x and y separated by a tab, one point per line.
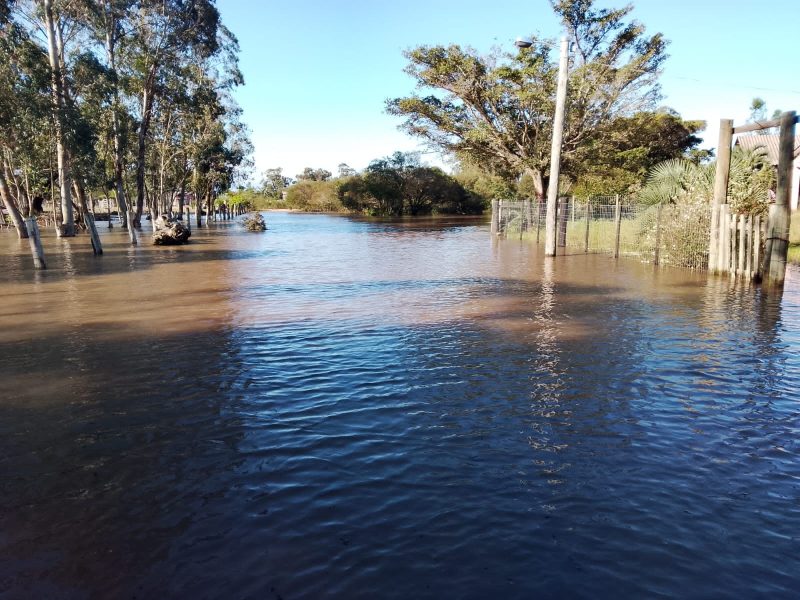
313	196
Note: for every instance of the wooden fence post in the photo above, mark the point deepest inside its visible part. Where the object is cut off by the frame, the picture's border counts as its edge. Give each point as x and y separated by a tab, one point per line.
538	217
36	243
777	247
732	249
495	217
720	237
740	266
658	235
720	190
748	266
588	219
757	248
617	225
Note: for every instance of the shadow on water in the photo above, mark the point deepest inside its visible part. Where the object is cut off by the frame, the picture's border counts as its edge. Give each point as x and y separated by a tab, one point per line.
502	427
69	258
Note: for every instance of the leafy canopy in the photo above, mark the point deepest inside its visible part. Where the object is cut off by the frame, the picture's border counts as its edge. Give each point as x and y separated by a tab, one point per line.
496	110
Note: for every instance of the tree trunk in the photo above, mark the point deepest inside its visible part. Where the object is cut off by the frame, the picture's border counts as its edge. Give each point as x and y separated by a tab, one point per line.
144	126
11	207
538	182
22	199
64	171
122	203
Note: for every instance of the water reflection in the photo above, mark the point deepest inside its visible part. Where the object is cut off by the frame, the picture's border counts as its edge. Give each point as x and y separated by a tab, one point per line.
352	408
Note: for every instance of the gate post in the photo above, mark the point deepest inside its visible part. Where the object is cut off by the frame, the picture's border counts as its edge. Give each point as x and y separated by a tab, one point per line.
720	191
777	248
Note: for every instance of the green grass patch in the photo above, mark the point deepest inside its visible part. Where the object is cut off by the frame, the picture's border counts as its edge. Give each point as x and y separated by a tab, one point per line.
794	230
794	254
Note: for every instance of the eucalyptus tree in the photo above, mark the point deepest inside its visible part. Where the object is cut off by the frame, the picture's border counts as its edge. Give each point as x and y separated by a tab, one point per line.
274	183
54	26
496	110
24	116
164	35
108	25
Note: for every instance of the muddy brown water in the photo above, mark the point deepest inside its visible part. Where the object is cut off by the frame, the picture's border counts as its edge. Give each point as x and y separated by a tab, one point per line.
391	409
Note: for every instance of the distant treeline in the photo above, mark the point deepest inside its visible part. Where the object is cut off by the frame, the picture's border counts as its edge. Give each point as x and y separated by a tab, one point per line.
395	185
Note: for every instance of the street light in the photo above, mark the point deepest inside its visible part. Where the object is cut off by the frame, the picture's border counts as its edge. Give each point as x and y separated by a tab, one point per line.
555	148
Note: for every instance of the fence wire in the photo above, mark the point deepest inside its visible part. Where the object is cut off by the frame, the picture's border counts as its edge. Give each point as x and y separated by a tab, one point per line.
665	234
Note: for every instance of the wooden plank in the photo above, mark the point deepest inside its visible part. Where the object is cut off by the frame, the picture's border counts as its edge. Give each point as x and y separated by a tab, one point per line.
757	248
758	126
722	255
720	188
748	250
732	233
741	252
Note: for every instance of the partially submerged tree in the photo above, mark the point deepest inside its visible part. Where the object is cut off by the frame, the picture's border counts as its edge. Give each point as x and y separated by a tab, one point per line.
121	95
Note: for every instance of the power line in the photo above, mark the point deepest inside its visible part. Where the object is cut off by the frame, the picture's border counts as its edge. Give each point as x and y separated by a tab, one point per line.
684	77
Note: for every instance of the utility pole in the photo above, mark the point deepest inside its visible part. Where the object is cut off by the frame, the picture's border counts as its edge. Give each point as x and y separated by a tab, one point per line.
555	150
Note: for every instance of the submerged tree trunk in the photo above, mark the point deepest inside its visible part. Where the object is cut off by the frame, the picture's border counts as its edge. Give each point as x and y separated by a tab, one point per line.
144	126
11	207
111	31
59	110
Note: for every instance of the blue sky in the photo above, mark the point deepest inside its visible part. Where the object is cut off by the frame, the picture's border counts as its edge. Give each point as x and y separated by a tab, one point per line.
317	72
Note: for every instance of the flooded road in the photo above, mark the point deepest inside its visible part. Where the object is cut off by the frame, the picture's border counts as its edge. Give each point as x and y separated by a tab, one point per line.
353	409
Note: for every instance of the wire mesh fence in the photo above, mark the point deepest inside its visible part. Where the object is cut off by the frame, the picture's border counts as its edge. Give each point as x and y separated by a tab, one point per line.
665	234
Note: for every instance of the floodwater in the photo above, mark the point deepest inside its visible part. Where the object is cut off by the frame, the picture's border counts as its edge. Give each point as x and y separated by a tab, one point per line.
351	409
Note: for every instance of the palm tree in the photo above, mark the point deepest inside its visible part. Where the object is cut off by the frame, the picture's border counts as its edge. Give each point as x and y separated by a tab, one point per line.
679	181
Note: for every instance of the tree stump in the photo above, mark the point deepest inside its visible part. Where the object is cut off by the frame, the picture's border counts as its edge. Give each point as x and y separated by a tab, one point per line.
254	222
170	232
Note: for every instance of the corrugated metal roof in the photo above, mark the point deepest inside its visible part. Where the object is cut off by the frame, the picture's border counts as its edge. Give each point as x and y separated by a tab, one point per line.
768	142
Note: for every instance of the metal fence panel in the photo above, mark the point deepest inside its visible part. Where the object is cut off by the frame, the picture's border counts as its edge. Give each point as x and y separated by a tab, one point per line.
670	234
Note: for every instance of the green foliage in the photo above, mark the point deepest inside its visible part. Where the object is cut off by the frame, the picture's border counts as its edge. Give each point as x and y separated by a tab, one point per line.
484	187
247	198
310	174
497	110
313	196
618	159
113	54
399	185
680	181
273	183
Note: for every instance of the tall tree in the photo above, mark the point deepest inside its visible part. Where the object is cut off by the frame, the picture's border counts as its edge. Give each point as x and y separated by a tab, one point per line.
55	53
165	34
497	110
